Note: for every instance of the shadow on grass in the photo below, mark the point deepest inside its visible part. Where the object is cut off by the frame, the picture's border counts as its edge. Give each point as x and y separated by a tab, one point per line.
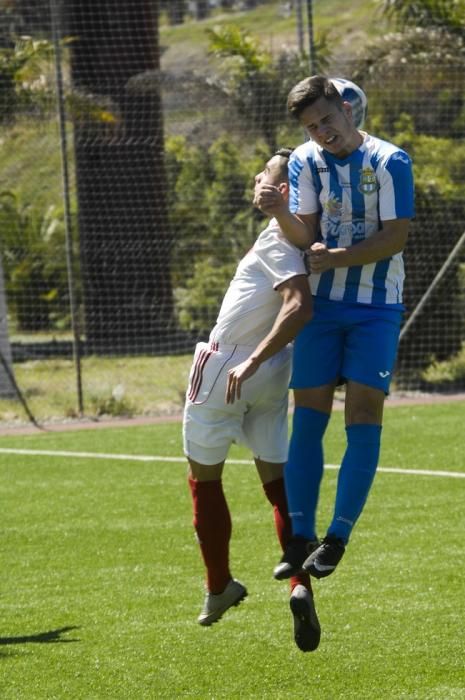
51	637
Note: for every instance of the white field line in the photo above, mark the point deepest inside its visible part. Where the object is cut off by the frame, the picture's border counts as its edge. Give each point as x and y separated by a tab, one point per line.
158	458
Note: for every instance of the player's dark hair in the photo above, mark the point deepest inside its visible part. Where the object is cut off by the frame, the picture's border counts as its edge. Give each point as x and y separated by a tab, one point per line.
308	91
284	154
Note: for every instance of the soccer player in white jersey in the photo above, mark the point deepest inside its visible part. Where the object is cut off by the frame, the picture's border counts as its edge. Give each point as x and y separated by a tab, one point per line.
238	391
351	199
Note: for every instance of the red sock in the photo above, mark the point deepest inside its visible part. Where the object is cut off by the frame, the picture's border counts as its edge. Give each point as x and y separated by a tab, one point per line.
212	523
276	494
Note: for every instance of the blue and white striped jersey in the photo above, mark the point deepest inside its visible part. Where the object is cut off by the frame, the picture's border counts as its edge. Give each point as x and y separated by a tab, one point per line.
354	196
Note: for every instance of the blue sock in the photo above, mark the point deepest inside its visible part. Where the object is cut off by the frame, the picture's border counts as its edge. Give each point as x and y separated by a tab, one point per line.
356	475
304	469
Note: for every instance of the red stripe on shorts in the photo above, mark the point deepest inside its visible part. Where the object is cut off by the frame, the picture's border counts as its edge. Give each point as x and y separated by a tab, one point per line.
197	375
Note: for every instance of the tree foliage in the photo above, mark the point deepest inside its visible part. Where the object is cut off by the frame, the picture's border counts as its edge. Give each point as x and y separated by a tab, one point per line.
447	15
31	248
426	56
210	205
256	83
440	188
25	77
430	66
27	85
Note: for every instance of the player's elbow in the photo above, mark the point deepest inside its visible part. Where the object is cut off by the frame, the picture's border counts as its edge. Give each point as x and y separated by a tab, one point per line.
396	234
302	312
399	242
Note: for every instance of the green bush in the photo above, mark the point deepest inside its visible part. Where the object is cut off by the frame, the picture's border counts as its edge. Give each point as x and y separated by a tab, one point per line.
450	373
440	203
32	248
199	301
210	208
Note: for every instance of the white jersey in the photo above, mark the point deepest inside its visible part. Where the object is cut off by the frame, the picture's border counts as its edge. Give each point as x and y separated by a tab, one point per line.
353	196
251	303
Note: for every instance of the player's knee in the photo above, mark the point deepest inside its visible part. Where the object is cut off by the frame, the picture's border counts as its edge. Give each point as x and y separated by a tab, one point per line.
363	404
364	415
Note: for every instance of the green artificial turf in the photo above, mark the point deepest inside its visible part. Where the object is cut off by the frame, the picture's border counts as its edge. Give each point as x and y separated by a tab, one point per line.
102	579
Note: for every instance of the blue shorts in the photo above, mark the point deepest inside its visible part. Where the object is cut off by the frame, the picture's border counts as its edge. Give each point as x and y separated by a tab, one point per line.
344	341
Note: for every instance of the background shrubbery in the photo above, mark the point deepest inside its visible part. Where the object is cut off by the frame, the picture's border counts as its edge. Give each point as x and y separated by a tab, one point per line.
224	115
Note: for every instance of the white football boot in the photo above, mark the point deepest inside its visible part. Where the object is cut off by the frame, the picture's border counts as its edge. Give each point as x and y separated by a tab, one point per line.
216	604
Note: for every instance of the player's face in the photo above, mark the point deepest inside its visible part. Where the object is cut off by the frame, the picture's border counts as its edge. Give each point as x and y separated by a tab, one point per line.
330	127
270	175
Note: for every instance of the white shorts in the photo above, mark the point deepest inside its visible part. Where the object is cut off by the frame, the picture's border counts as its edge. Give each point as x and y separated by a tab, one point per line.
258	419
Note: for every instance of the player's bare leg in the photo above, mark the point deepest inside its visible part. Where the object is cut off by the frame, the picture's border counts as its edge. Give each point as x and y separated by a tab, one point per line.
319	398
212	523
363	404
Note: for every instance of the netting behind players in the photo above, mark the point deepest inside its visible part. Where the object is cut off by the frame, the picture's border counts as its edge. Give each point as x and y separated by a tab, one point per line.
160	149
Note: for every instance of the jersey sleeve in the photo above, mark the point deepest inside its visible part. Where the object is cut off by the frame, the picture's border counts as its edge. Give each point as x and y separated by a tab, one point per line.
278	259
303	198
396	194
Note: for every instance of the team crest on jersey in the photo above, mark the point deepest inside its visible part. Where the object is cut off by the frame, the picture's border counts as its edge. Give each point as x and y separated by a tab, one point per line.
368	183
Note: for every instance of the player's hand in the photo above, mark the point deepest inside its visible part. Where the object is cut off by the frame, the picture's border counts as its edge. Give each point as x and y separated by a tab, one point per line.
269	199
319	258
236	377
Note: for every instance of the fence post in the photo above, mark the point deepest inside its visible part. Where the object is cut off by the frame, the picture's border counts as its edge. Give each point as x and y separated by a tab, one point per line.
300	26
6	388
311	41
56	31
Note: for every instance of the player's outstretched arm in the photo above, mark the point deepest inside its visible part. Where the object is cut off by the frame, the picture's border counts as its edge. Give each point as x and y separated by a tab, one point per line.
295	312
299	230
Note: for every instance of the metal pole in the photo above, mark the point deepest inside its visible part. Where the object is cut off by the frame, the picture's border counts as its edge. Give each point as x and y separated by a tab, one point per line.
6	388
300	25
55	11
311	42
9	373
419	307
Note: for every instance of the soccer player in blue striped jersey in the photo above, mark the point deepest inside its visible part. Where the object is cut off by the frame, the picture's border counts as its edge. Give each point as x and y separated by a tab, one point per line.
351	199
